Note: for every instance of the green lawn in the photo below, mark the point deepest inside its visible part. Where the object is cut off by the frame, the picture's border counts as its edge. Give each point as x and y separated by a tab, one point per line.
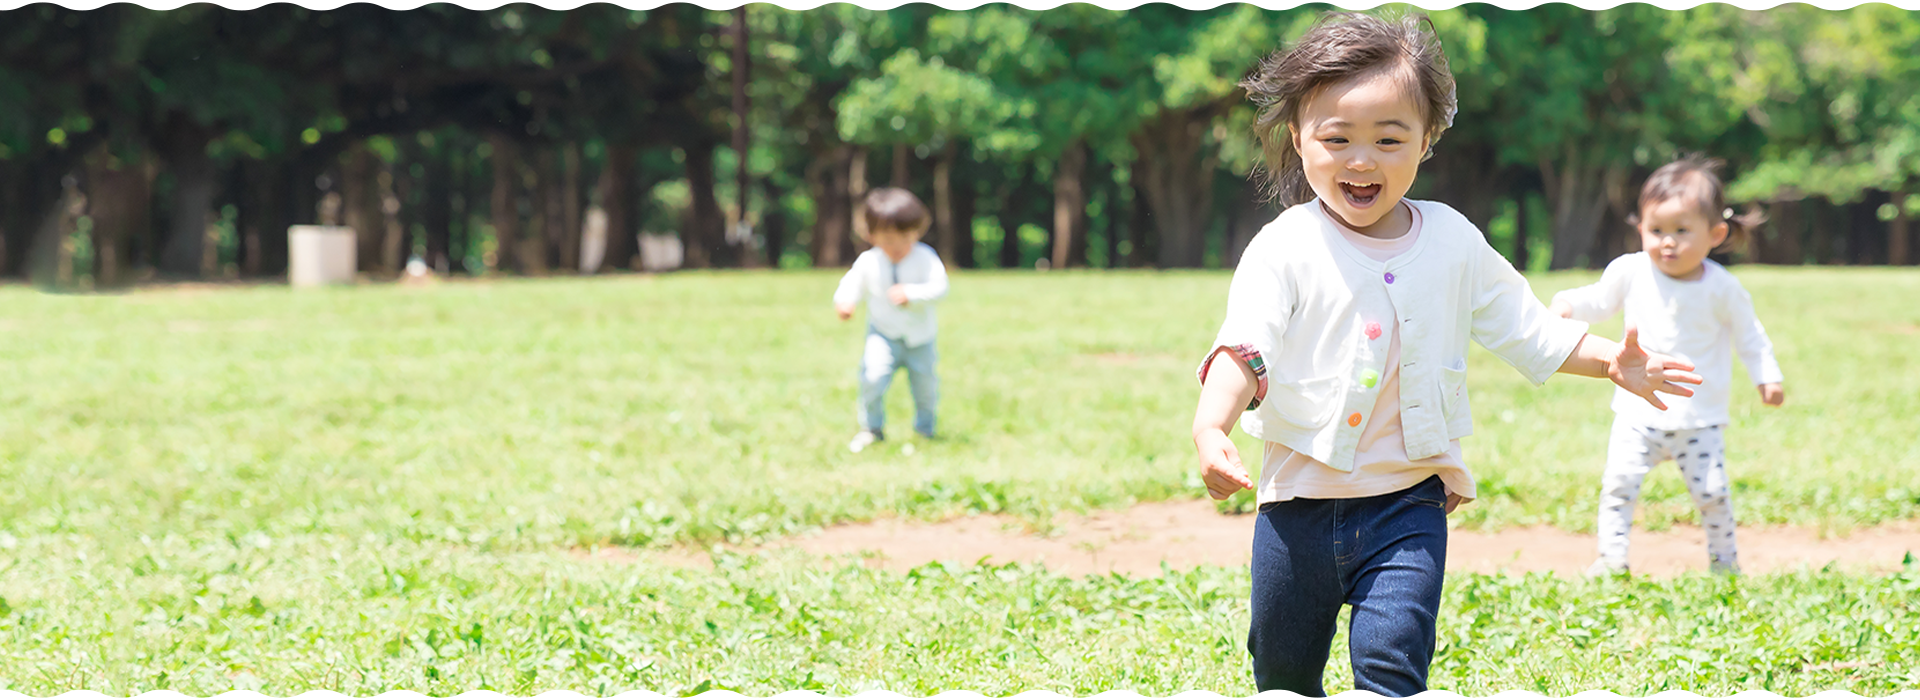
374	488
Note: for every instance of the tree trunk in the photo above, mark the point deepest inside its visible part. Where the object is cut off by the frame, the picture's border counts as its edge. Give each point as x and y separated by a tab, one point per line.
33	189
965	204
1116	214
505	210
1898	238
703	236
615	179
394	246
1613	238
774	223
193	191
1140	229
48	255
1248	217
1097	182
1070	206
1778	242
249	178
570	208
1466	177
856	199
902	167
1013	215
282	195
945	233
11	213
415	210
1820	217
465	191
1177	177
239	192
1577	194
1865	235
742	136
551	186
303	191
360	205
1521	225
120	195
436	204
537	182
832	224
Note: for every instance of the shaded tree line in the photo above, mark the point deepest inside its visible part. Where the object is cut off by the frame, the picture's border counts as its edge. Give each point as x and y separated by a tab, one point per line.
183	143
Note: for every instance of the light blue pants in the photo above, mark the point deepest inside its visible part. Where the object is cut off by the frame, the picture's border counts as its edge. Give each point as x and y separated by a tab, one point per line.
882	357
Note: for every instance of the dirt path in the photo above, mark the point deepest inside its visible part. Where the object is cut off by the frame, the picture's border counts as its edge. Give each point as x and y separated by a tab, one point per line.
1184	534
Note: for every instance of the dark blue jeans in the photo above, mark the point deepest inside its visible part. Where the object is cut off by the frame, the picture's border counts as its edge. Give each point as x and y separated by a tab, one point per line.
1383	555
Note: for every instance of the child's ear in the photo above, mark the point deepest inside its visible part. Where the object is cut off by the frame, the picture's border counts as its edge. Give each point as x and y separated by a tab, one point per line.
1719	235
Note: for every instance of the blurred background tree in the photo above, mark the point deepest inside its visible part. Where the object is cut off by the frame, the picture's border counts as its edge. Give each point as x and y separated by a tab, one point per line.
180	144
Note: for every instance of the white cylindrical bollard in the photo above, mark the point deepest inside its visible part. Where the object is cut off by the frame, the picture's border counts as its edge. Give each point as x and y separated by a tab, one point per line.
318	255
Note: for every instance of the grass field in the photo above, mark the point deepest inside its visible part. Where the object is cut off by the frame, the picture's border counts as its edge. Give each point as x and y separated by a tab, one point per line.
380	487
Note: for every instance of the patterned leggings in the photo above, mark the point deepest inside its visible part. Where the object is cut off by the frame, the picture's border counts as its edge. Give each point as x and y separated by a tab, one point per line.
1701	456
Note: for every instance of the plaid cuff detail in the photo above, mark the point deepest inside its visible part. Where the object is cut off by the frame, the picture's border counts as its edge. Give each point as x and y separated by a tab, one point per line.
1254	361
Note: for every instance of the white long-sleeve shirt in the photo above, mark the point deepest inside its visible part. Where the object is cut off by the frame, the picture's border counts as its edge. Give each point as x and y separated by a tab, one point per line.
873	273
1702	321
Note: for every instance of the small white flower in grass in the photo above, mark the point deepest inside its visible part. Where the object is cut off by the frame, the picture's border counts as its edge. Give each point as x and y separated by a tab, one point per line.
1507	416
907	449
7	541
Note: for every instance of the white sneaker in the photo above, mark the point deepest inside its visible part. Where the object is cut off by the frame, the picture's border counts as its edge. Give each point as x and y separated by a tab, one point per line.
864	438
1603	568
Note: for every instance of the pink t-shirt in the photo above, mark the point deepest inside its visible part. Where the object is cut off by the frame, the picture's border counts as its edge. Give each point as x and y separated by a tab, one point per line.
1380	463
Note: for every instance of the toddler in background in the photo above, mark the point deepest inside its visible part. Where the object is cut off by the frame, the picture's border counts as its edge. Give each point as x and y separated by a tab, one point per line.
1687	306
900	279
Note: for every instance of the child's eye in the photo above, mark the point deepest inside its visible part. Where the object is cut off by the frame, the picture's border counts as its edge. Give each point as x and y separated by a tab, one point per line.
1336	140
1389	142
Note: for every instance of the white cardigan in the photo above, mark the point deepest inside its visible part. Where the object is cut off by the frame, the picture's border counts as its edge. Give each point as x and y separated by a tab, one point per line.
1303	297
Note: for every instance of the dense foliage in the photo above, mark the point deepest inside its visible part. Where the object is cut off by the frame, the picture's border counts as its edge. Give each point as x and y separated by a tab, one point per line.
185	141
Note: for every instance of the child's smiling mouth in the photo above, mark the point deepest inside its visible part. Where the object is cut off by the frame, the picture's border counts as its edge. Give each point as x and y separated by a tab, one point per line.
1360	196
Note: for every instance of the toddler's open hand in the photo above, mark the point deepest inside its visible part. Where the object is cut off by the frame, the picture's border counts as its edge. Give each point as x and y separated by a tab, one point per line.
845	311
1561	309
1772	395
1220	464
897	294
1647	374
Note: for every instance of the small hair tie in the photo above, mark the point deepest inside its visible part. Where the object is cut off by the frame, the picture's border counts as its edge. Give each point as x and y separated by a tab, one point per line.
1727	214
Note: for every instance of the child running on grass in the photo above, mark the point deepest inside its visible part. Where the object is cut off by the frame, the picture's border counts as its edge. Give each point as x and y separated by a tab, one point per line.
900	278
1690	307
1345	345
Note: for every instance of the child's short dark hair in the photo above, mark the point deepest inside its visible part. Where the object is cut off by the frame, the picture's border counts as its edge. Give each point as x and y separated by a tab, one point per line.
1341	46
1697	179
893	208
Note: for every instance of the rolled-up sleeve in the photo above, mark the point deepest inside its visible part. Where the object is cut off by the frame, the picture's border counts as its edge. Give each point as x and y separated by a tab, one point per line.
1260	303
1510	321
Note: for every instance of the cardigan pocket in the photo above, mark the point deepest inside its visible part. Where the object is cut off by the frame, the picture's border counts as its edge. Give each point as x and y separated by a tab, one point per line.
1304	403
1453	391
